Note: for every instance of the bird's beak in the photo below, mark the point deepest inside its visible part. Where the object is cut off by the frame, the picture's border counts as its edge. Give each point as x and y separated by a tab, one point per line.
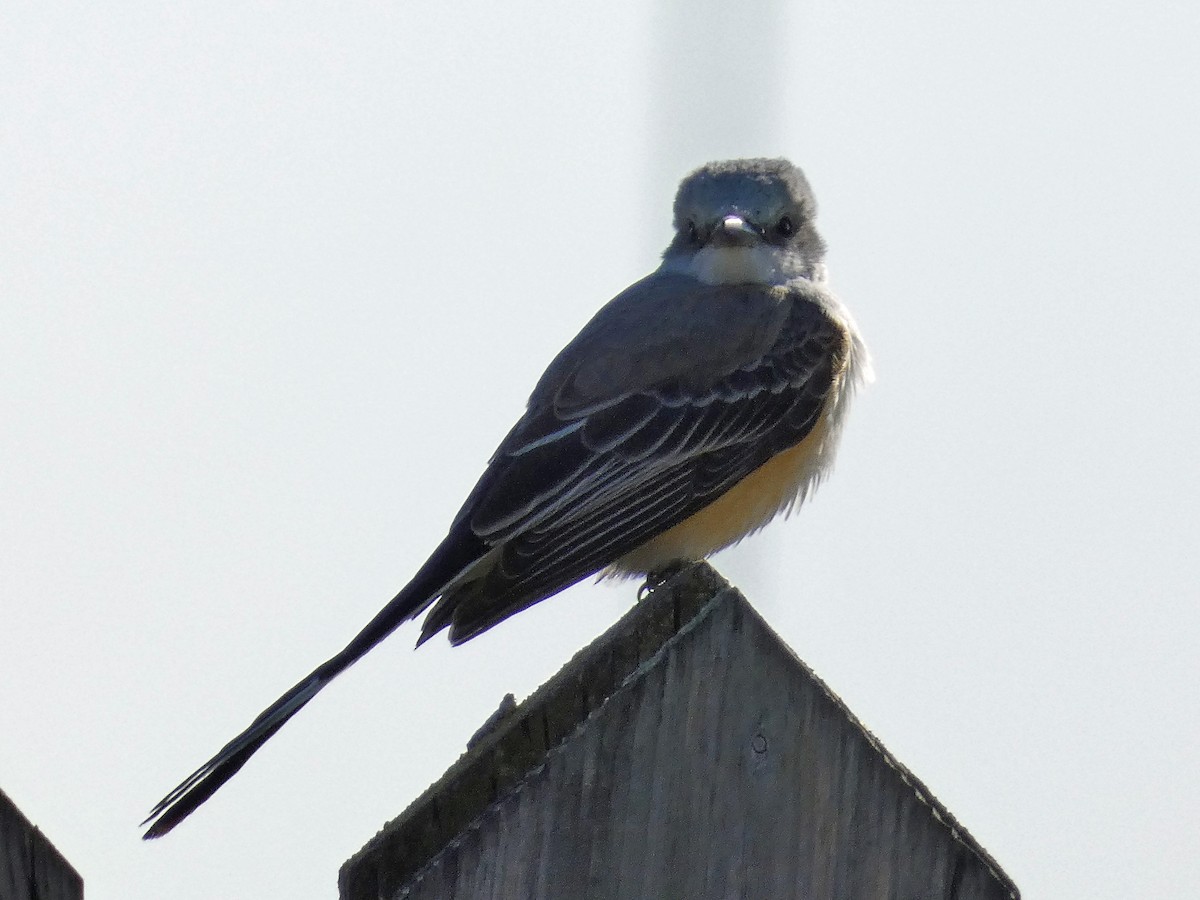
735	231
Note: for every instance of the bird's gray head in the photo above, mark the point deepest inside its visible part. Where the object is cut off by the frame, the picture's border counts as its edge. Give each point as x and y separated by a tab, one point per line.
746	221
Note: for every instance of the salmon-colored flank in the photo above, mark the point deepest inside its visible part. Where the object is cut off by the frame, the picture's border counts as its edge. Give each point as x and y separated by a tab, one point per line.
743	509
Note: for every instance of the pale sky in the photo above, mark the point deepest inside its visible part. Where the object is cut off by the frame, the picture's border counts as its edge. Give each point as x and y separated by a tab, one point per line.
275	279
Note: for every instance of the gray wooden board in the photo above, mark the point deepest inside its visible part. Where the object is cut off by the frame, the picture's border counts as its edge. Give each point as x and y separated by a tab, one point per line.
30	867
719	766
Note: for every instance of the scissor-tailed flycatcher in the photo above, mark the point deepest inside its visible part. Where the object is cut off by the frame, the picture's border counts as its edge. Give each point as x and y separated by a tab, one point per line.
693	408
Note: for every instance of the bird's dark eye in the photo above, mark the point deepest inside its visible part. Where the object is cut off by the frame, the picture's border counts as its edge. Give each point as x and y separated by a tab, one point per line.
692	233
785	227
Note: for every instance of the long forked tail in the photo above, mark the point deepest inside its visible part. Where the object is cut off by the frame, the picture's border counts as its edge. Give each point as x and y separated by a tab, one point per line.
203	783
453	558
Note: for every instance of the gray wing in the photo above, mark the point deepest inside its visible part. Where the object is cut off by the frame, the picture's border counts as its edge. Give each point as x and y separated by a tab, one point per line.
599	465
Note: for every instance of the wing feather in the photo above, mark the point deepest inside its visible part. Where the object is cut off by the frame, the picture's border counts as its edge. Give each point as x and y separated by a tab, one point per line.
640	464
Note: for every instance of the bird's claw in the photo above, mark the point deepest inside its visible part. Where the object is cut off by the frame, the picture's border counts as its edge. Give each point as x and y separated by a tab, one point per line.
659	577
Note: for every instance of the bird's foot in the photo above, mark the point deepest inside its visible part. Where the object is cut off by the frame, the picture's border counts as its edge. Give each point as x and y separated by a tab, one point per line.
659	577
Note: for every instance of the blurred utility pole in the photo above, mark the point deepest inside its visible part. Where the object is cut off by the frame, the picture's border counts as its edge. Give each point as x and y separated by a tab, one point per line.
717	92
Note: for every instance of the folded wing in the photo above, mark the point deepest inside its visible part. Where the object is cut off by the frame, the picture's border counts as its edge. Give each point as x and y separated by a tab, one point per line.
582	481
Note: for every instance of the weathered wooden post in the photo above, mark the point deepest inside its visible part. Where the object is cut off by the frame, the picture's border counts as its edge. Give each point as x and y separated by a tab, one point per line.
30	867
687	753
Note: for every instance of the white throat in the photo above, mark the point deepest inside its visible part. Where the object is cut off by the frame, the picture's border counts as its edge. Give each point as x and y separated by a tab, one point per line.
759	264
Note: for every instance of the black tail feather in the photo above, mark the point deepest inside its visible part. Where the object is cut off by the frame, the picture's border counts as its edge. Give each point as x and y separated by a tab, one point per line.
204	782
453	556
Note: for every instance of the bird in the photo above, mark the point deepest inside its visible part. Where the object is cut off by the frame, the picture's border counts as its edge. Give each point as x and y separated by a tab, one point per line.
695	406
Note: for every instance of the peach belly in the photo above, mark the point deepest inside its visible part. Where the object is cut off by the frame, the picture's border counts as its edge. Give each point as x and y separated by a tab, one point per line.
747	506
